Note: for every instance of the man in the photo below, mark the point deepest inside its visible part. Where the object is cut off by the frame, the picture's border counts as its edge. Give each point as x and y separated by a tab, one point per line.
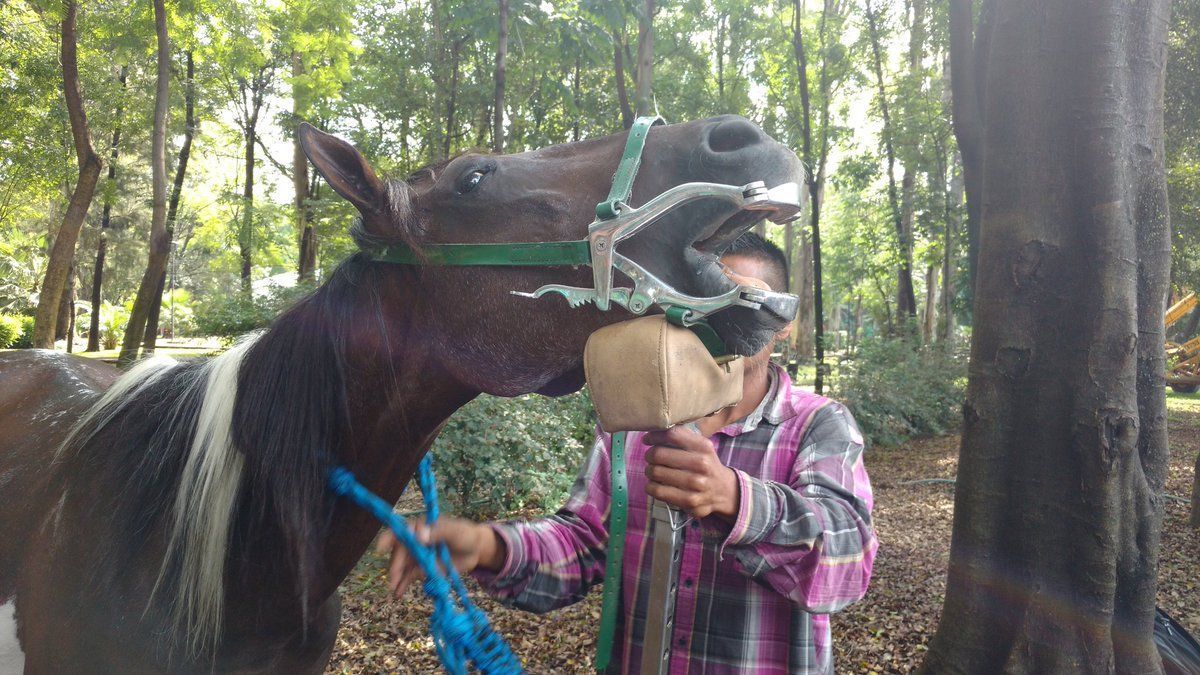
781	532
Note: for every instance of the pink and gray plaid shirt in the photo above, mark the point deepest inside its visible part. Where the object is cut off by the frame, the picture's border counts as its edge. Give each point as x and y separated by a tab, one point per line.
754	596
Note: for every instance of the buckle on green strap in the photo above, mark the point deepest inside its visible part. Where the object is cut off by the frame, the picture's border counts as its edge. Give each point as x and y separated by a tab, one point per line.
631	159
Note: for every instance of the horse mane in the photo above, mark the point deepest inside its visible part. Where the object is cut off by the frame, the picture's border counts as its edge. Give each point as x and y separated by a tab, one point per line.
215	460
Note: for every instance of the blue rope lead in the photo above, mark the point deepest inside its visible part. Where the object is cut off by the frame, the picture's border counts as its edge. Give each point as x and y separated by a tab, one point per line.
461	632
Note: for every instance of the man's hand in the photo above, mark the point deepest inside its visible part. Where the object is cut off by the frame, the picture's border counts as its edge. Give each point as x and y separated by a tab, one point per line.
684	471
471	545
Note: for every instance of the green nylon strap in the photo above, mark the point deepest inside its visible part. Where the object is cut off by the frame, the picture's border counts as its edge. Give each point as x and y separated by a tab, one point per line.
519	254
631	159
618	514
712	342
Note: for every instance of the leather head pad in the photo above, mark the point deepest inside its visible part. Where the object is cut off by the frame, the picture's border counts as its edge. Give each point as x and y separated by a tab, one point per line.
648	374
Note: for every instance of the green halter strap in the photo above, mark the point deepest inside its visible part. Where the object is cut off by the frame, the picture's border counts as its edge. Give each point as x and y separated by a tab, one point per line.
546	254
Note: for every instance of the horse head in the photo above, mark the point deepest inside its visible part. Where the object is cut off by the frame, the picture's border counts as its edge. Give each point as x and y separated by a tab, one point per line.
493	341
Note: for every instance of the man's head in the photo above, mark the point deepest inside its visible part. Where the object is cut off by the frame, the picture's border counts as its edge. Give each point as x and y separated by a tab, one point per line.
753	259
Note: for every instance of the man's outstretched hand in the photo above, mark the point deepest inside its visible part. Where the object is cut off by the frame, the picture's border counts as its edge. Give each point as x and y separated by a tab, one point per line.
684	471
471	545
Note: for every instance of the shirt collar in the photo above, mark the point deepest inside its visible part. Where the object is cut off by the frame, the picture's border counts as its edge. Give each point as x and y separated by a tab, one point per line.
775	407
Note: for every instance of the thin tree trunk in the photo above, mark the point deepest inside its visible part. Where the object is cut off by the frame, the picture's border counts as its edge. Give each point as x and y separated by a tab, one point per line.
953	226
71	313
93	343
966	83
498	97
722	20
246	236
908	183
185	153
929	314
806	318
1058	505
619	76
644	94
307	261
452	99
63	250
906	301
1195	520
150	290
575	94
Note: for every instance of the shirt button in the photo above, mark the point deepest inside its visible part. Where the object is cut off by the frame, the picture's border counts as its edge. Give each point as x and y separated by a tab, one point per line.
695	523
687	582
682	641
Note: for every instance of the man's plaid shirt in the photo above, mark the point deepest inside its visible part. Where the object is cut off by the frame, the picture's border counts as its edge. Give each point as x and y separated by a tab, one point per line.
754	596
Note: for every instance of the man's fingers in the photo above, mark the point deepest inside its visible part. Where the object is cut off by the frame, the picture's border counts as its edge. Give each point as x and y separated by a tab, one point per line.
400	561
683	499
661	455
680	437
385	542
412	573
678	478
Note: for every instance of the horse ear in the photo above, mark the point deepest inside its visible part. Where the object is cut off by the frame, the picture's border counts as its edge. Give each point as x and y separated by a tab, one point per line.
346	170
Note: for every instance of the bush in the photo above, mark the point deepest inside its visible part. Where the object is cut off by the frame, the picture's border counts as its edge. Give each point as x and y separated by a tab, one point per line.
113	319
10	330
898	391
24	338
229	316
497	455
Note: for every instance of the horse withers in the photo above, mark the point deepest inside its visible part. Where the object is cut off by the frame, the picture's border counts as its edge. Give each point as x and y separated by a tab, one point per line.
176	518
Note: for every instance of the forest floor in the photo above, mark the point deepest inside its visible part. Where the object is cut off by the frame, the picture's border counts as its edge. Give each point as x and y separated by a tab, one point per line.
887	632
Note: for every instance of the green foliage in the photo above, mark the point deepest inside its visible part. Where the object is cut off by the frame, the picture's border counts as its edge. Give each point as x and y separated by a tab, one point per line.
10	330
497	455
898	390
113	319
231	315
25	339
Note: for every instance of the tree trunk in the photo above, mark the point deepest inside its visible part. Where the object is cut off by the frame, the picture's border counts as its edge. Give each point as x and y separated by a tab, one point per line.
1058	505
93	343
66	308
452	99
722	22
619	76
929	314
498	98
71	313
150	290
802	270
1195	520
953	226
644	94
63	251
906	300
307	260
966	84
575	93
246	236
185	152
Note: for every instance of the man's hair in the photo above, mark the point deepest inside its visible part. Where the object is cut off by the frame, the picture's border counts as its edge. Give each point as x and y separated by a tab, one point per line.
750	245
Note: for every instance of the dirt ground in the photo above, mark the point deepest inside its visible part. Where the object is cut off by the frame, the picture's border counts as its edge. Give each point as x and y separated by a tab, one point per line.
887	632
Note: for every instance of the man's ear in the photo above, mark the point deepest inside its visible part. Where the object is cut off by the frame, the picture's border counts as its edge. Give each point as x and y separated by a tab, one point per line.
346	170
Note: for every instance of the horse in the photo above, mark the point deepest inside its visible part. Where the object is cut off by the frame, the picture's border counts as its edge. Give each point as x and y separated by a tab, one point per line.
176	517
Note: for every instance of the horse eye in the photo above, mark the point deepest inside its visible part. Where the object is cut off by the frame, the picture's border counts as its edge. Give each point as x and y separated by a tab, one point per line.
471	181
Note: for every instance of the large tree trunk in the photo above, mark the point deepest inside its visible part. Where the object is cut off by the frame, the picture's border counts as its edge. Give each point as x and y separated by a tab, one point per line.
906	299
150	290
966	83
93	343
644	93
501	66
1058	505
90	165
66	309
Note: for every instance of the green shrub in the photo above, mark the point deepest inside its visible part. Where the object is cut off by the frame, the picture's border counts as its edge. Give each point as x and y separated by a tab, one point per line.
25	337
113	319
898	391
228	316
499	455
10	330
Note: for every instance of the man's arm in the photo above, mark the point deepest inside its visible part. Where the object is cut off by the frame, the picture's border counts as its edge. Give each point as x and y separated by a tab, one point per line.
811	540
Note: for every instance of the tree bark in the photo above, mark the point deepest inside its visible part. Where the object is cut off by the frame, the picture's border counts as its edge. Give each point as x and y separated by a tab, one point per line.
929	313
93	343
1195	520
906	300
953	226
63	251
908	182
501	65
1058	505
246	236
619	76
307	261
644	93
66	308
575	84
965	83
150	290
185	152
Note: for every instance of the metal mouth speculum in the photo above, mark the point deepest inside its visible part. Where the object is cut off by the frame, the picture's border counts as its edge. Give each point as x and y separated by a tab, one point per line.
780	204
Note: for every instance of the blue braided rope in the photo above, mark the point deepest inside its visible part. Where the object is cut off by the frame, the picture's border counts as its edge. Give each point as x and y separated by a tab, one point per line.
461	632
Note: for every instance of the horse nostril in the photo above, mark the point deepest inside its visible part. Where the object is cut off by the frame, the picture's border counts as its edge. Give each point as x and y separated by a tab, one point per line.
734	134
